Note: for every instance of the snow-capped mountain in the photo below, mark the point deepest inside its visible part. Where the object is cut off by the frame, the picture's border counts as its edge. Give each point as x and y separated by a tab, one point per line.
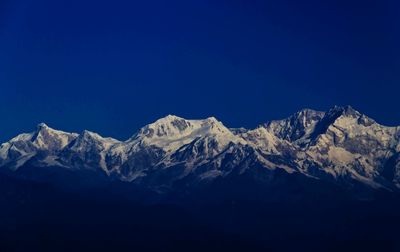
296	127
341	146
44	142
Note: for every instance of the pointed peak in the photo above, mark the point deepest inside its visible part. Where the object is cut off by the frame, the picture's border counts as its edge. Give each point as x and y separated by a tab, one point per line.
296	126
343	110
215	126
345	113
214	123
212	119
42	126
85	132
348	111
338	111
304	116
46	138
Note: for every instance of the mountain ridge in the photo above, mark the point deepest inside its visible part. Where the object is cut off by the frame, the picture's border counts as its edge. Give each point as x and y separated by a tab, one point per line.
340	145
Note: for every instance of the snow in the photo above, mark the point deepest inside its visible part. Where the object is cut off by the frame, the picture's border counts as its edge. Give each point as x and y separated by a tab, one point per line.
340	156
22	137
262	138
352	145
88	138
4	150
51	161
170	137
45	135
210	175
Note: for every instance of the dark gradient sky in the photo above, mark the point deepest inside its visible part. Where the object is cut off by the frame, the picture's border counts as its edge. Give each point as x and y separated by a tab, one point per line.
113	66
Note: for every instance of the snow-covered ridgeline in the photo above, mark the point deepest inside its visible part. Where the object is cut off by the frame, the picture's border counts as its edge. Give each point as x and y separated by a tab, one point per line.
340	143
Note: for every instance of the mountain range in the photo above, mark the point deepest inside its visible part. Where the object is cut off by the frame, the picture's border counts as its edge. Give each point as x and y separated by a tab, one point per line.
340	147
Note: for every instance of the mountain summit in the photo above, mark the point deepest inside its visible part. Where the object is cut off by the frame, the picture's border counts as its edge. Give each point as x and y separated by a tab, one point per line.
340	146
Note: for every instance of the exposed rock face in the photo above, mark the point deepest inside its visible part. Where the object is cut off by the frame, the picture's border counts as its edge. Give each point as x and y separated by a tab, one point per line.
341	145
297	126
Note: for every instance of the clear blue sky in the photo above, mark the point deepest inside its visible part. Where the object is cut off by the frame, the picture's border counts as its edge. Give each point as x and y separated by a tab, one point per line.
113	66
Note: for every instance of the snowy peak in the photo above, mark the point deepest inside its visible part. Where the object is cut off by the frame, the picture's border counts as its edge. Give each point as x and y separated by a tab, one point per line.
172	126
46	138
172	132
42	126
168	126
343	111
348	142
351	113
297	126
215	126
346	112
341	117
44	141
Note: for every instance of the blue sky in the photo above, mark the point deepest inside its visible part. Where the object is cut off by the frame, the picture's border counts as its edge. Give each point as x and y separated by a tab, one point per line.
113	66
